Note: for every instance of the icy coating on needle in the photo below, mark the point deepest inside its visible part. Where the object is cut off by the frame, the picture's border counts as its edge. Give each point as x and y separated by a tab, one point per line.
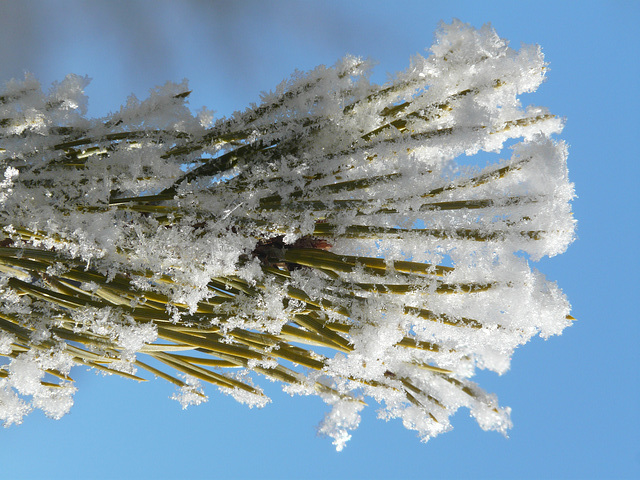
333	238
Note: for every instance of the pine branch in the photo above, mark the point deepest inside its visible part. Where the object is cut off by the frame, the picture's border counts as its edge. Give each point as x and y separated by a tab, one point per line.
325	239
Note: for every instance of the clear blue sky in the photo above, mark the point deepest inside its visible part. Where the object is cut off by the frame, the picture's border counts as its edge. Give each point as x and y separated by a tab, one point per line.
574	398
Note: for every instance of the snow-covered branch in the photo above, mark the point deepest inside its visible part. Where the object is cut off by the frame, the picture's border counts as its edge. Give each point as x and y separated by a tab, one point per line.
329	238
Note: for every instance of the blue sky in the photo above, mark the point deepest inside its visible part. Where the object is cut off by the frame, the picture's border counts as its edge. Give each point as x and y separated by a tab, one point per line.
574	397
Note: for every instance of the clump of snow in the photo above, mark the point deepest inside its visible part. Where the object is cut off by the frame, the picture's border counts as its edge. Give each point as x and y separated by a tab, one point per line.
190	393
249	399
22	390
343	417
13	408
6	339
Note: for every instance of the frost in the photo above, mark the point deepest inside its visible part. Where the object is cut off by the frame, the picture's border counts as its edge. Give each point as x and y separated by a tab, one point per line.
337	238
